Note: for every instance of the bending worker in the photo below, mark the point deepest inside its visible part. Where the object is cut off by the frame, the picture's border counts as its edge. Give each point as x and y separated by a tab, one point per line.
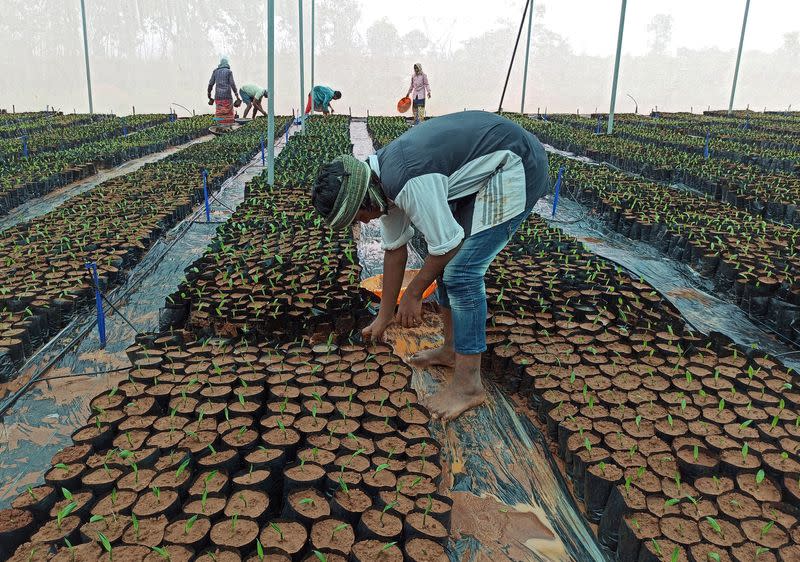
321	97
222	77
466	181
252	96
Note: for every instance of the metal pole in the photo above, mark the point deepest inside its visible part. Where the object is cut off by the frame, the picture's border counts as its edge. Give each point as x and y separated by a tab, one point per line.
86	57
616	68
302	69
271	91
513	56
738	56
313	37
527	53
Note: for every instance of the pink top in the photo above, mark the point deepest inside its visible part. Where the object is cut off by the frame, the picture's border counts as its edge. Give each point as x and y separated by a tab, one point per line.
419	85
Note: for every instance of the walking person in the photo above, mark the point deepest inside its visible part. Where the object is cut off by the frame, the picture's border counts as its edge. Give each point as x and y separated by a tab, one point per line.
321	96
467	181
252	96
419	86
222	78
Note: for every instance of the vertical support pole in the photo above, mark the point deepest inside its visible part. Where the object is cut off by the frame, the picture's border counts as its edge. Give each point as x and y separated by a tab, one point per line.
738	56
313	38
271	91
302	67
527	54
205	195
98	301
124	128
557	190
133	109
86	57
616	67
263	161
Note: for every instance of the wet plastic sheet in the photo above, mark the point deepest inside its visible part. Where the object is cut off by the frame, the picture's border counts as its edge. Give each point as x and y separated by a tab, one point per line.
42	420
691	294
507	506
42	205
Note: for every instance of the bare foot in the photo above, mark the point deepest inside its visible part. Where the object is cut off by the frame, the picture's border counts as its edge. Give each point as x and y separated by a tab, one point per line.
455	399
442	356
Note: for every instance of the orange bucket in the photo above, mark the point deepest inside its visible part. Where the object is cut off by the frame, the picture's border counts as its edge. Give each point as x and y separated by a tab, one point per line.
404	104
374	285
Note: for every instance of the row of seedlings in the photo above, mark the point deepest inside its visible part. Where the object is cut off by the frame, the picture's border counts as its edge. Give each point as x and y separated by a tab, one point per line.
771	195
220	449
274	268
61	138
679	447
780	159
737	129
384	130
43	278
223	451
750	258
22	179
16	124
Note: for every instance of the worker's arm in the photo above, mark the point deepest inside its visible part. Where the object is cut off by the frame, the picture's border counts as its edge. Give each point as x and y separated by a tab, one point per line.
409	313
425	83
410	86
257	106
234	89
211	83
424	200
394	268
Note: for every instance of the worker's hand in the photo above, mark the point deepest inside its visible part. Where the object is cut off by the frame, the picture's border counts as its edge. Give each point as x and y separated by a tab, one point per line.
374	332
210	101
409	312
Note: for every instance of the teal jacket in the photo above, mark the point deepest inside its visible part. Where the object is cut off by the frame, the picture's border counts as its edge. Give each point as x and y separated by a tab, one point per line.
322	96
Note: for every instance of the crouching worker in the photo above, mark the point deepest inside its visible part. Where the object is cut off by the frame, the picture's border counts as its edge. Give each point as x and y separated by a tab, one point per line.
252	96
466	181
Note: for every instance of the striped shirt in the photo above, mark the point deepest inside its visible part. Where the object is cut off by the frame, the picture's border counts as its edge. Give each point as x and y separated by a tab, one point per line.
458	175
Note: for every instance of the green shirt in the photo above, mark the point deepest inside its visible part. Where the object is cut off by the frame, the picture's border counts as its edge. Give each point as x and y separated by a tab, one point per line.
253	91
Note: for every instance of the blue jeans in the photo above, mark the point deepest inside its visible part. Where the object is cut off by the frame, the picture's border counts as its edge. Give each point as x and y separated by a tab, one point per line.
461	287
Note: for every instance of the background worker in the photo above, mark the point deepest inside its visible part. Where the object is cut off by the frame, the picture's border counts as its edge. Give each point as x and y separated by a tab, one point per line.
419	86
321	97
466	181
251	96
222	78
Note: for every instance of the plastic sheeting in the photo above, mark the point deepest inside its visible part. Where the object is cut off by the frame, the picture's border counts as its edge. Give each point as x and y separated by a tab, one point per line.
42	420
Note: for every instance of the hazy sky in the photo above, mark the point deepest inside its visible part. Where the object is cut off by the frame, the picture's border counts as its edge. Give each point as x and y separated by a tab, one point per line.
591	25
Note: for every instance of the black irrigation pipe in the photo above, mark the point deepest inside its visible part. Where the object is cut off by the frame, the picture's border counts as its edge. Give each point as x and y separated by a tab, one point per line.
118	294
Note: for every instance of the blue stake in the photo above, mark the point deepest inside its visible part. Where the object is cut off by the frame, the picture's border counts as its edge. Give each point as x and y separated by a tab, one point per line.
287	134
25	146
705	145
205	195
124	128
98	301
262	149
558	189
599	122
